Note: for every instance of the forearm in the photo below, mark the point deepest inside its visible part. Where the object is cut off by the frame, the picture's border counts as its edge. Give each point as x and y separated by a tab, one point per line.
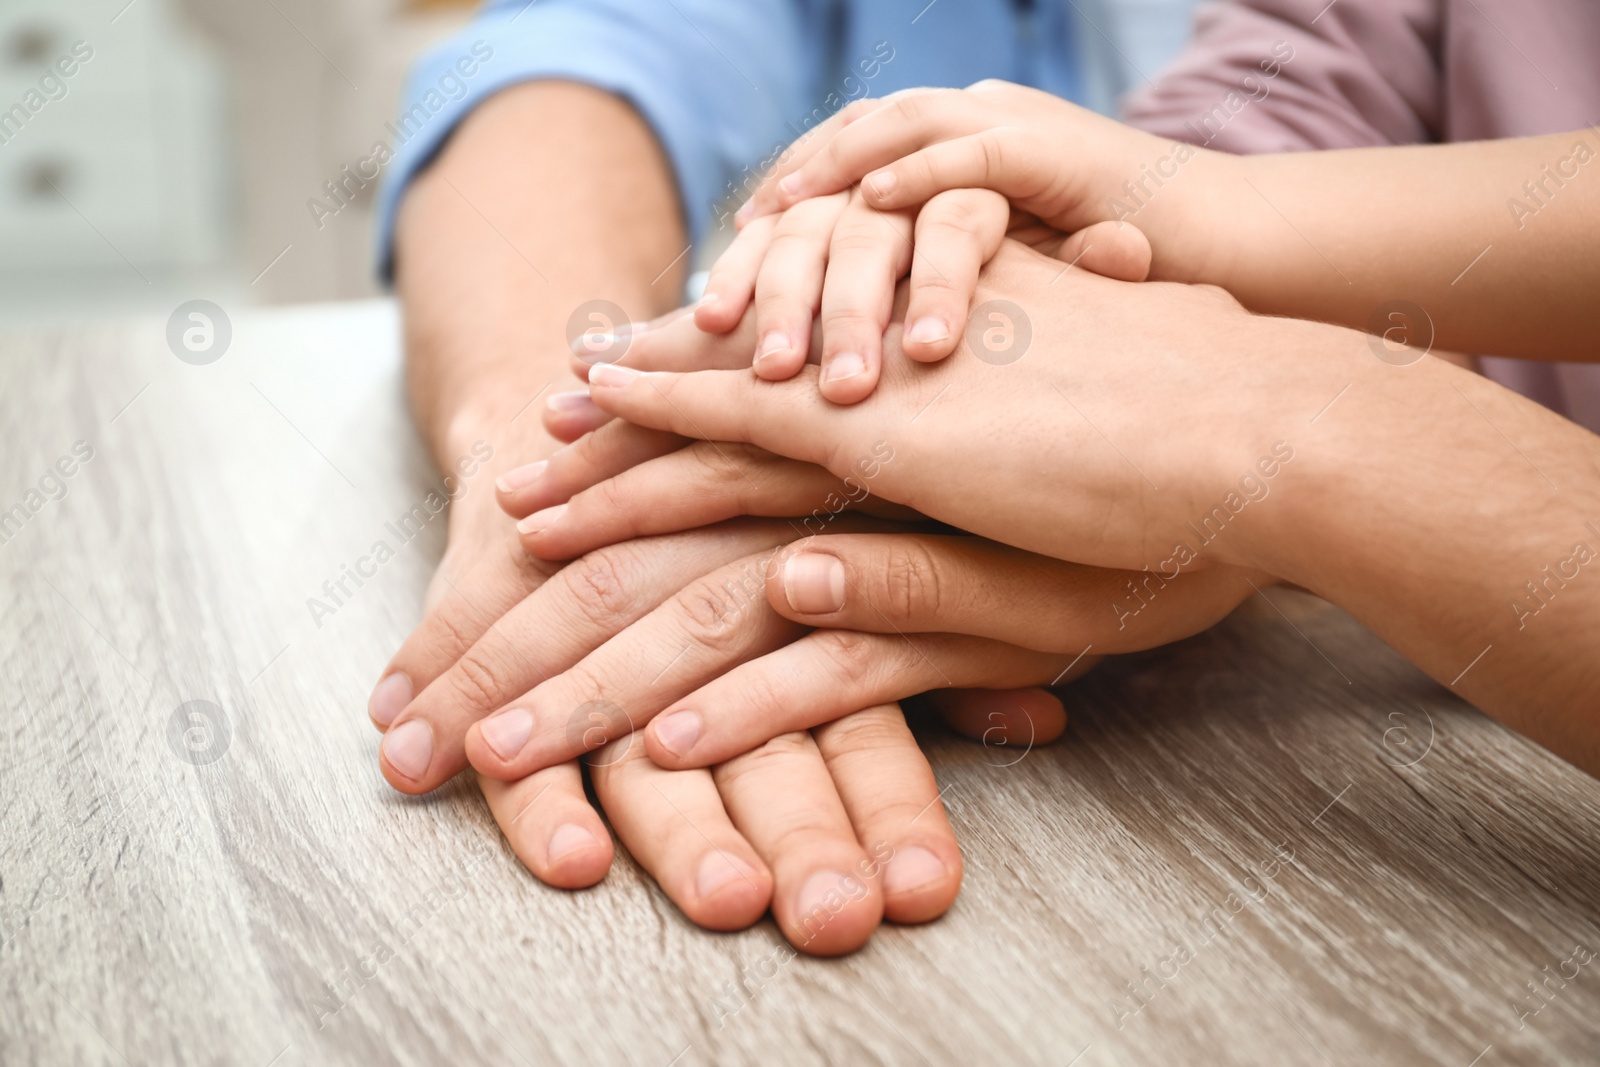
1493	240
1475	557
549	196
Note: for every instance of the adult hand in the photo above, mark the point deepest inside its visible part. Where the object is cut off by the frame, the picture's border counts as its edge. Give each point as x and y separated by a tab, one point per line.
1163	426
888	585
790	830
1092	367
720	625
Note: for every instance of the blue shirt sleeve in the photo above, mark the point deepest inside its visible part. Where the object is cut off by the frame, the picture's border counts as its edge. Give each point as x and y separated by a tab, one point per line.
717	81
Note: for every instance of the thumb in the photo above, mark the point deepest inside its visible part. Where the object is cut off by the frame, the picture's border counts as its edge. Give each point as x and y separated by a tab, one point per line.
1117	250
1012	719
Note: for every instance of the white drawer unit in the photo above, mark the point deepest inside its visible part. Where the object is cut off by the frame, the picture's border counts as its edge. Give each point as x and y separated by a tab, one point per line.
110	138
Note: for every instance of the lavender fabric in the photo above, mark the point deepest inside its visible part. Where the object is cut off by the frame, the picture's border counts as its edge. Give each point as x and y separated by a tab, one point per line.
1385	72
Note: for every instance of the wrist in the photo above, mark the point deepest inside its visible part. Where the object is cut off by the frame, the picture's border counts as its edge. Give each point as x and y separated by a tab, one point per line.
1199	232
1327	410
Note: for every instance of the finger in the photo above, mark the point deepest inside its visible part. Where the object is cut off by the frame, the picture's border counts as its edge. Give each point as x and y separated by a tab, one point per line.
606	453
568	416
765	200
716	405
1007	159
956	234
733	278
789	288
916	583
472	600
675	825
680	345
703	483
822	676
1114	249
870	251
713	623
907	122
1010	718
545	633
784	802
551	826
893	802
595	347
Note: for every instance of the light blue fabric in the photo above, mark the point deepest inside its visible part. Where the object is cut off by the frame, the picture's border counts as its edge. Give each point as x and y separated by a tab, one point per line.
727	84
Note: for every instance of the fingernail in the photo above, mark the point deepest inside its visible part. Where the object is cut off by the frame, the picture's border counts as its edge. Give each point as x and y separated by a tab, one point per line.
818	888
409	748
707	299
521	477
912	868
569	838
569	401
883	182
773	343
717	870
508	731
541	521
611	376
845	365
813	583
927	330
747	209
678	732
790	186
389	698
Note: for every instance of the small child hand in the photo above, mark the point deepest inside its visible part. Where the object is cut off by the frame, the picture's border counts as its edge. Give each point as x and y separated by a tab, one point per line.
838	256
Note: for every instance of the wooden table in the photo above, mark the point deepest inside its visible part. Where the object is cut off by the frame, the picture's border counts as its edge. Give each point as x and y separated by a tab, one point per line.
1273	844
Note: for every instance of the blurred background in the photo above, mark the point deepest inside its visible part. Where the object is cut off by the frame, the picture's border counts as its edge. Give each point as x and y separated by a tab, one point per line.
154	149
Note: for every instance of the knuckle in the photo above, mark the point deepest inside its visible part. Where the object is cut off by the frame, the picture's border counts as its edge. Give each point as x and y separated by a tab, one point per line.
992	144
795	236
933	282
479	679
600	583
954	212
854	656
854	240
918	106
911	583
719	466
848	320
867	732
775	757
710	616
454	630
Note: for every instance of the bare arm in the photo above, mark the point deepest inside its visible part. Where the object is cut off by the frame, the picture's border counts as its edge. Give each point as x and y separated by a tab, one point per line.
1336	235
550	195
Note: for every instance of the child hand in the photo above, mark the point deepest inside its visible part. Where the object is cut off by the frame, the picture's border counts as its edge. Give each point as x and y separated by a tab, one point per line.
1066	165
838	255
845	257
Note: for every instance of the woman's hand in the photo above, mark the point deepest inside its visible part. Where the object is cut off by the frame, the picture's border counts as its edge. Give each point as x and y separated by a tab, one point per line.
1162	426
1127	426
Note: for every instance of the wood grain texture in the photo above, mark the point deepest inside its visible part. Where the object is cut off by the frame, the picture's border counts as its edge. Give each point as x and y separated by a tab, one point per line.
1385	870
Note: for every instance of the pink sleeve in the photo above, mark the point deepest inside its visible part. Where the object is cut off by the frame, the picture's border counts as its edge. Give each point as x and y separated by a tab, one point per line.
1278	76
